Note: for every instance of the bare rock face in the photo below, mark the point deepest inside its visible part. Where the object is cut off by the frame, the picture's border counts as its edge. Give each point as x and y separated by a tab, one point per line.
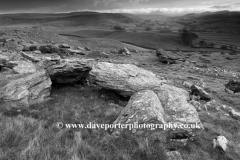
176	106
165	110
124	51
49	49
70	70
77	51
235	114
233	86
220	142
126	79
144	107
167	56
174	155
198	91
25	85
64	46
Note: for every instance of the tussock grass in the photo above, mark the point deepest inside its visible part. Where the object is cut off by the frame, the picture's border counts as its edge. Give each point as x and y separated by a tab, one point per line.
23	137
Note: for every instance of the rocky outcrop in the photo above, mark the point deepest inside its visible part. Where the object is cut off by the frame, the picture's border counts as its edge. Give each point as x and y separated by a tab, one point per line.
167	56
233	86
64	46
174	155
167	105
124	51
70	70
198	91
235	114
77	51
144	107
176	106
49	49
25	84
97	54
126	79
220	142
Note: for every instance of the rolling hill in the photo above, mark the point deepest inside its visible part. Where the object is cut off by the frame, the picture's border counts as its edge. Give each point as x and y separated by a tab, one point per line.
221	22
73	19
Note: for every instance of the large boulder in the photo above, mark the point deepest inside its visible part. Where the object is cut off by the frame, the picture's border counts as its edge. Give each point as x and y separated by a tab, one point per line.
168	107
25	84
167	56
233	86
49	49
144	107
198	91
220	142
175	102
126	79
124	51
44	59
70	70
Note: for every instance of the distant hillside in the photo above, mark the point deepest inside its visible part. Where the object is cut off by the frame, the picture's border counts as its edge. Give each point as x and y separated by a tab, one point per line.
73	19
222	21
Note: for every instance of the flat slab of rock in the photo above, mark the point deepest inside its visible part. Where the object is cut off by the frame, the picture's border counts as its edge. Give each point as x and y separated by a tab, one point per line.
126	79
233	86
143	107
167	56
78	51
24	89
198	91
70	70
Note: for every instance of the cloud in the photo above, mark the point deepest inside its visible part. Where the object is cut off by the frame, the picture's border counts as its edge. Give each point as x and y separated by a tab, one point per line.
128	6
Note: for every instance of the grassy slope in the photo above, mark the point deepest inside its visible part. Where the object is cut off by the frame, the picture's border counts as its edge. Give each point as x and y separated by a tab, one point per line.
28	138
225	38
25	137
151	40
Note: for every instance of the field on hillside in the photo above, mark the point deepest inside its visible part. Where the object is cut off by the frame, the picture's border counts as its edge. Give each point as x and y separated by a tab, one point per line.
150	40
225	38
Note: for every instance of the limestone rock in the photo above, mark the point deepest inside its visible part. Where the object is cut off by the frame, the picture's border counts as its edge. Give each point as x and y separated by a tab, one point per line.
174	155
177	108
23	67
233	86
235	114
77	51
70	70
124	51
49	49
96	54
167	56
220	142
196	90
45	59
143	107
87	49
28	86
126	79
64	46
30	48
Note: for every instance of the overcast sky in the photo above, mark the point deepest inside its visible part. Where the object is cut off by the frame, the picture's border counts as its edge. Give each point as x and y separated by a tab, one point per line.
129	6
